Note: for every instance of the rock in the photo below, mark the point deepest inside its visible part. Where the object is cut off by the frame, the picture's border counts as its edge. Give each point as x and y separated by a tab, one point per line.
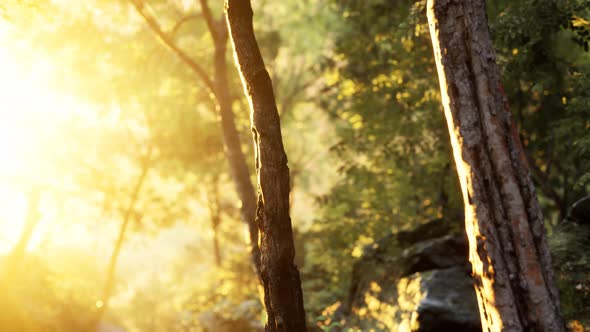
433	301
450	250
449	303
387	261
430	230
423	288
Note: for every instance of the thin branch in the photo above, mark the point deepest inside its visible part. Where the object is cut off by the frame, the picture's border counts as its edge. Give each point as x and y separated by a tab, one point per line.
206	11
110	281
167	40
182	21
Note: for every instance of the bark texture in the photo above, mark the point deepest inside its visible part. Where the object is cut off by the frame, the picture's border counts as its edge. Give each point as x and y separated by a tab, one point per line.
508	248
282	287
233	148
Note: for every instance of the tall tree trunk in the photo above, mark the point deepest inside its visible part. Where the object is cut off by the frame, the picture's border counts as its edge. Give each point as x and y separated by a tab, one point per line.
220	89
508	248
110	276
282	287
233	149
14	316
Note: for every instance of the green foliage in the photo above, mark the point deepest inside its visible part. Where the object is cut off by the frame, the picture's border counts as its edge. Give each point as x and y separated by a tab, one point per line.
367	64
545	76
395	160
146	108
396	167
570	247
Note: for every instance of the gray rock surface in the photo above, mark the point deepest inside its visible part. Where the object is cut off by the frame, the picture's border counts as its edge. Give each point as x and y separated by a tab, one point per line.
425	287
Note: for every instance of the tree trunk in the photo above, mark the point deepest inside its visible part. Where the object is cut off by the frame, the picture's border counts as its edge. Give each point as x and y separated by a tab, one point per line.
233	149
282	287
219	87
508	248
17	254
215	215
110	276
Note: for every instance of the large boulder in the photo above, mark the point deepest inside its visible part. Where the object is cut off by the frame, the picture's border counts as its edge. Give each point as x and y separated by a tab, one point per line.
438	300
425	287
447	301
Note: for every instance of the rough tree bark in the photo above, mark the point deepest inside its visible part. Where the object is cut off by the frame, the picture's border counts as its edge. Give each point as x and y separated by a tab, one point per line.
508	248
233	149
220	90
282	287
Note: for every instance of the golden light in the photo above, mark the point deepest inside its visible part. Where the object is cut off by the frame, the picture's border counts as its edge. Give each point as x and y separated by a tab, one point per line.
12	208
30	111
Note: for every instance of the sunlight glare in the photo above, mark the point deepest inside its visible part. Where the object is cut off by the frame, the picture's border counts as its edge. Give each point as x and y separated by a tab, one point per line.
30	114
12	215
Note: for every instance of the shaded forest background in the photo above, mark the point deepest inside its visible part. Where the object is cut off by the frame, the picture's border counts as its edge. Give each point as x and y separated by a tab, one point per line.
104	125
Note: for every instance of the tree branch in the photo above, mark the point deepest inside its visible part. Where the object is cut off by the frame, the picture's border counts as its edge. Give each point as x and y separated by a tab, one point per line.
181	22
167	40
283	297
109	284
206	11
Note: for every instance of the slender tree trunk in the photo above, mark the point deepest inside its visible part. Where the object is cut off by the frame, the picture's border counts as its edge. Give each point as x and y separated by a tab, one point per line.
282	287
13	316
219	88
215	215
233	149
508	248
110	276
17	254
216	248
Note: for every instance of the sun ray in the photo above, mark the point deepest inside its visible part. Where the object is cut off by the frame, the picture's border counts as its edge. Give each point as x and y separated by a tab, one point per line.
31	116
